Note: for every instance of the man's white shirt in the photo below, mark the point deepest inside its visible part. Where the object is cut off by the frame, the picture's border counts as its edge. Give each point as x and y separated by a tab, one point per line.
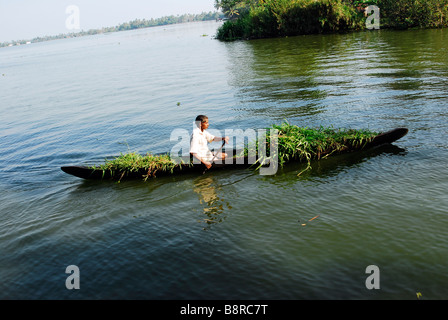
198	144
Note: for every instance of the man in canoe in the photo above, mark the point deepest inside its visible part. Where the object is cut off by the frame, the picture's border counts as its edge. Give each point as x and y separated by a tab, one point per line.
199	139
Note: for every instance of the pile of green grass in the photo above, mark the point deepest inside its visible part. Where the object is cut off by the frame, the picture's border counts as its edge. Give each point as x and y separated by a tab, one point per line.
306	144
294	144
134	162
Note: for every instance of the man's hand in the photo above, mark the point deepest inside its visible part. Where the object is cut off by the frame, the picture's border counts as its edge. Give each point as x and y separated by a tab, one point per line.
207	164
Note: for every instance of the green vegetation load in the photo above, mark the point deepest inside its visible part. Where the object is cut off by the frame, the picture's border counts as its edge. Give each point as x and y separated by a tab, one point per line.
305	144
294	144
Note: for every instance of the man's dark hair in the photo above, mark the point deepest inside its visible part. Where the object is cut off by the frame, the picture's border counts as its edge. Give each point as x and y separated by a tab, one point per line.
201	118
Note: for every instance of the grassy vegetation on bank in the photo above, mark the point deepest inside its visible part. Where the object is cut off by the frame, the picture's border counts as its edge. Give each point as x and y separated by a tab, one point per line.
273	18
404	14
294	144
277	18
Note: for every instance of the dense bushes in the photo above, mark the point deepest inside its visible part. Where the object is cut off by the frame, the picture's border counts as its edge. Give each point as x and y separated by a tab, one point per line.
414	13
274	18
271	18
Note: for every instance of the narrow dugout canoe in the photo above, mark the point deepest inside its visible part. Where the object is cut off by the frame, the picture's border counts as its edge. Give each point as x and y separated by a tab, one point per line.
86	172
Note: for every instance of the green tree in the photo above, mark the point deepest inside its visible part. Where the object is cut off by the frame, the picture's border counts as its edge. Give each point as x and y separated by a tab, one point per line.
234	8
414	13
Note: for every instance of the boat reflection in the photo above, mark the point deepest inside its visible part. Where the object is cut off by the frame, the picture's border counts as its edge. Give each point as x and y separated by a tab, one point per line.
210	198
334	165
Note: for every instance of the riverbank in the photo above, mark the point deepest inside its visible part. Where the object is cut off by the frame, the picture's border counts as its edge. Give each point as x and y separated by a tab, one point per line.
269	18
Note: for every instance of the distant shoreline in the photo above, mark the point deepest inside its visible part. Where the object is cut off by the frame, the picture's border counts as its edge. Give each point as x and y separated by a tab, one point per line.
131	25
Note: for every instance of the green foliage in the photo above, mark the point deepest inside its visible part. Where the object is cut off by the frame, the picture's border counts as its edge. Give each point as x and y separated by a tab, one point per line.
133	162
305	144
414	13
300	144
234	8
276	18
361	3
235	30
273	18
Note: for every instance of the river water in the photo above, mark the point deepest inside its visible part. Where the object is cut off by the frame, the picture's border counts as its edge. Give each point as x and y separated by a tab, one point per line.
229	234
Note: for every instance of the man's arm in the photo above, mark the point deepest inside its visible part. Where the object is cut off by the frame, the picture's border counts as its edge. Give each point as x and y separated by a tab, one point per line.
221	139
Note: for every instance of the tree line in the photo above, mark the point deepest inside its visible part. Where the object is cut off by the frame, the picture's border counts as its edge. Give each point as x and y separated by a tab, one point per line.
131	25
249	19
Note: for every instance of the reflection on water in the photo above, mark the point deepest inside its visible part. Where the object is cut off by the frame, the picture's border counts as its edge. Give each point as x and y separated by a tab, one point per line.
325	169
332	166
305	77
211	199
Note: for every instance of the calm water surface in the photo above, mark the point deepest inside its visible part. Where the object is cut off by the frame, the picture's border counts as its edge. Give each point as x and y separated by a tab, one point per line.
231	234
